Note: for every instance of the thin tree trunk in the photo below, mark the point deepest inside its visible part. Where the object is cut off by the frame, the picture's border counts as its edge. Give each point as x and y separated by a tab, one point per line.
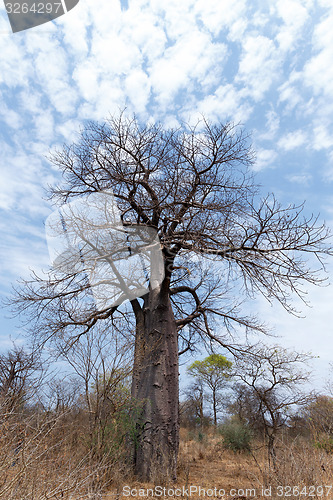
214	408
271	450
201	408
155	385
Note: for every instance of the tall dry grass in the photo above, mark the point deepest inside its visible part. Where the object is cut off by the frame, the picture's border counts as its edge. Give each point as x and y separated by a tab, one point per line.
50	456
204	461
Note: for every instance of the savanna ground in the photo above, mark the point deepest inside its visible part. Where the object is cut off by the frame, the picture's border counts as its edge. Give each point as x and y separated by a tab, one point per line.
54	464
204	462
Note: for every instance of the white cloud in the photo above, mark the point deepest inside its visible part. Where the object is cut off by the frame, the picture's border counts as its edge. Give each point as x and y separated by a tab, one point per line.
293	140
322	138
24	189
10	117
75	25
15	69
217	15
137	88
318	70
289	91
86	78
69	129
264	158
328	175
258	66
294	15
44	123
303	179
226	104
271	127
22	251
179	68
114	54
153	45
30	100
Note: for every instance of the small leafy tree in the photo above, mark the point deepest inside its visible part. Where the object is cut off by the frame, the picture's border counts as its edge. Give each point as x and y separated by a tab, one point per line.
214	371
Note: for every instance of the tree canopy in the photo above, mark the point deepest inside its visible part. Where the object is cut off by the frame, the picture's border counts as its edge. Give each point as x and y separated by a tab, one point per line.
194	186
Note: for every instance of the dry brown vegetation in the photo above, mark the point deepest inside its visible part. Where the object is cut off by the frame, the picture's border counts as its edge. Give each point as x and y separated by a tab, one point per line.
51	456
64	439
53	459
205	462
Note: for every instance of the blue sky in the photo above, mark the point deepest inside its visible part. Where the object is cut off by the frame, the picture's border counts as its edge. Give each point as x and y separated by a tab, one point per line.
266	64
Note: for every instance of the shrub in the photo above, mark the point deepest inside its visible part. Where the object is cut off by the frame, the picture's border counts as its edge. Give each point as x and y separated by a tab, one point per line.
196	436
324	442
236	436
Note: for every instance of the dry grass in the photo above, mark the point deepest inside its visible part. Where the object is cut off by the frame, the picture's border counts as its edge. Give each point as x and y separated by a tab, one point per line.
50	459
206	463
54	464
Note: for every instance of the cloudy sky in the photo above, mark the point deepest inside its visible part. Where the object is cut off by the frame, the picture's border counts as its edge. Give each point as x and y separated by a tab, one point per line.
265	64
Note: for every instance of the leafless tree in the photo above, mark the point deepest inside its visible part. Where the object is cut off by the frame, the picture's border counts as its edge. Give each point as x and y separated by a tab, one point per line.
101	362
193	186
319	415
271	380
192	407
20	372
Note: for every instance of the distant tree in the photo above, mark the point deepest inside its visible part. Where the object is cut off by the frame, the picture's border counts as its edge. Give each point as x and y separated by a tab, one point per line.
194	186
271	381
246	407
213	372
319	414
101	362
192	407
18	376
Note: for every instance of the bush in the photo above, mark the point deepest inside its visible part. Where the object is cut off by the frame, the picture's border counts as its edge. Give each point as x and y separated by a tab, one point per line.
196	436
324	442
236	436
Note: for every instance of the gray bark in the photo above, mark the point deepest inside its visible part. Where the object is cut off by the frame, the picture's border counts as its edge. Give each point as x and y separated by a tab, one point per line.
155	386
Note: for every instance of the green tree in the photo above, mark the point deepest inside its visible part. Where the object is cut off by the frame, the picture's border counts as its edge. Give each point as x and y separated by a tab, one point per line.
214	371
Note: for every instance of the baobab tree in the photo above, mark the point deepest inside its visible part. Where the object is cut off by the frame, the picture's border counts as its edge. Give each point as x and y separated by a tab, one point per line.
195	188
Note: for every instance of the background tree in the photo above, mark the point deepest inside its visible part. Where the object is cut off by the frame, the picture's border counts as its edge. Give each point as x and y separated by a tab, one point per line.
214	372
318	416
195	187
19	376
270	387
192	407
101	361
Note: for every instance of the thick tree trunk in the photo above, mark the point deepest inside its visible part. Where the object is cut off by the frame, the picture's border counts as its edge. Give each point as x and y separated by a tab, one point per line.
155	384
